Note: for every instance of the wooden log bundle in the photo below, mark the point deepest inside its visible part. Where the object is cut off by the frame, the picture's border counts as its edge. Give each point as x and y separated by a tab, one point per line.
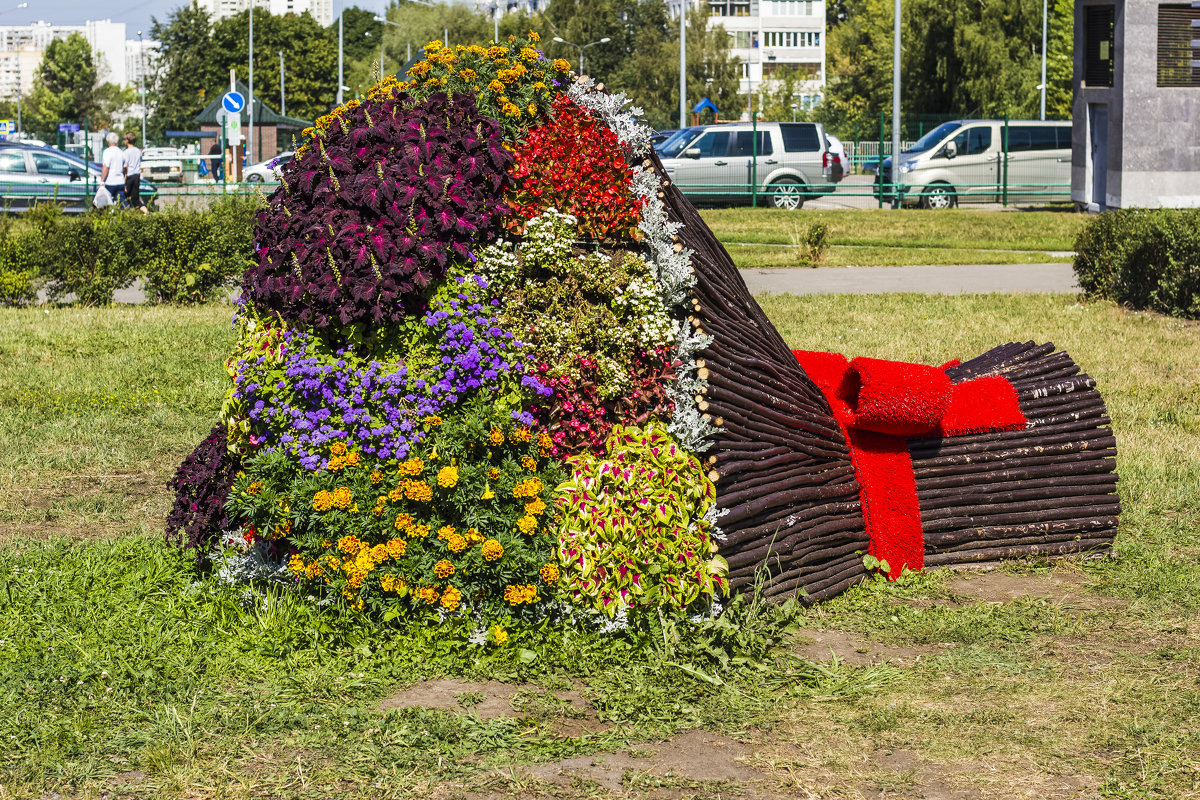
783	469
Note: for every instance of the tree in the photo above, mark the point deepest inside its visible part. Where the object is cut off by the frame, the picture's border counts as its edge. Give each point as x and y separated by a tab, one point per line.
187	74
67	86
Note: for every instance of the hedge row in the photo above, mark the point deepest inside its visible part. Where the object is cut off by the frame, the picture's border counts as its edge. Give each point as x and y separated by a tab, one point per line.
180	256
1146	259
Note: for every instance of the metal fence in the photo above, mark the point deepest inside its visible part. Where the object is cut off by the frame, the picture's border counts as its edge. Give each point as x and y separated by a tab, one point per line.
1001	162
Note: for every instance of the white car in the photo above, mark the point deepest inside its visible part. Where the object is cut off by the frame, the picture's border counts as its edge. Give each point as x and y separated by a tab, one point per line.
162	164
839	164
269	170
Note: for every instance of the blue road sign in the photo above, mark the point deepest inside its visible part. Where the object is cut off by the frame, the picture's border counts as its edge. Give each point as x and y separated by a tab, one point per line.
68	127
233	102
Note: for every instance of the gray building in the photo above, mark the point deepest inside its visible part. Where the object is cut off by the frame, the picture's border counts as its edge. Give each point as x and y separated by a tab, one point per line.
1136	129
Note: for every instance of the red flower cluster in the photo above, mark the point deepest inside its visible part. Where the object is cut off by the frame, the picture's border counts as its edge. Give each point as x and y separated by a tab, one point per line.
575	164
578	419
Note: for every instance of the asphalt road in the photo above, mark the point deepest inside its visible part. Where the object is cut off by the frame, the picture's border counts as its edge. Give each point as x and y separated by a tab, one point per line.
955	279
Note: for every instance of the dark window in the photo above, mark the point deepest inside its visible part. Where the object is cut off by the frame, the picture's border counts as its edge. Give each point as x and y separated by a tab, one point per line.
743	145
12	162
1031	137
973	141
1098	45
51	165
1064	136
712	144
1178	59
800	137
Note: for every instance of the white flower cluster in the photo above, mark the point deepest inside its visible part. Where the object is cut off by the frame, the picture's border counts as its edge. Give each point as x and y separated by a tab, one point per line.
610	108
548	238
498	264
238	565
641	303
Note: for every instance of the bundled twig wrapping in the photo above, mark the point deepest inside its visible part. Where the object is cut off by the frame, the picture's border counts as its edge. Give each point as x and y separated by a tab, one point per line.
783	468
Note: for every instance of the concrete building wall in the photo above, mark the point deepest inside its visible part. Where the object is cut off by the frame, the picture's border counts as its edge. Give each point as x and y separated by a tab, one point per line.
1152	133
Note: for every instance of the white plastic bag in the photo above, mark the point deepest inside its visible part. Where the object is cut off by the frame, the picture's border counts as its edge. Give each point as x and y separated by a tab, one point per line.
103	197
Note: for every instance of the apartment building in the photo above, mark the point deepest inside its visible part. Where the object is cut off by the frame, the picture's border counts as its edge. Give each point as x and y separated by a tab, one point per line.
22	47
321	10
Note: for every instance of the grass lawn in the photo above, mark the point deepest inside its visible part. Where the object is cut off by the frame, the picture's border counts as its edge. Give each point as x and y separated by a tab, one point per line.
871	237
122	675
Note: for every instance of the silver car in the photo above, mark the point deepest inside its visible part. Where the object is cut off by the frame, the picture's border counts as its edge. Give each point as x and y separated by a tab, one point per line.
785	164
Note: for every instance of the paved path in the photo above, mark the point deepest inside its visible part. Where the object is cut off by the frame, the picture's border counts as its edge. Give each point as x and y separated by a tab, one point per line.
954	279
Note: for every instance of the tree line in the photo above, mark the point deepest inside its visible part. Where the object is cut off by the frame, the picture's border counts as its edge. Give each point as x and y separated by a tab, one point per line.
965	59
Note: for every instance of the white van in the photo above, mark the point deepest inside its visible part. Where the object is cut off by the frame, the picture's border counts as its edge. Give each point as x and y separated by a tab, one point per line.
964	161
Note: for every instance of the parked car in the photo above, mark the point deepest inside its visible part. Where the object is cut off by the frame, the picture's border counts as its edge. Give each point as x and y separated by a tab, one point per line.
662	136
269	170
162	164
717	164
839	163
964	161
31	174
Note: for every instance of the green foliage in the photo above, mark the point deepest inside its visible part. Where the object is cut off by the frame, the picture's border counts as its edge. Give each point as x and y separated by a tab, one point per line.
633	533
969	59
69	85
1144	259
18	264
810	242
189	256
87	257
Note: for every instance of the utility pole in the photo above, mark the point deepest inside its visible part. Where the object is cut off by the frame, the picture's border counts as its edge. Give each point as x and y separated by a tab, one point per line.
895	106
682	64
1043	117
19	100
282	96
250	103
341	77
142	84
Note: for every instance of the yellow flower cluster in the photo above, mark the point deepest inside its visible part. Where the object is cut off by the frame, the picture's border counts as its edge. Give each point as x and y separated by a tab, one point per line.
255	487
403	521
443	569
392	583
549	573
445	532
432	421
516	595
529	463
376	476
412	466
493	474
427	593
447	477
492	550
337	462
521	434
451	597
530	487
338	498
535	506
527	524
418	531
456	543
396	547
419	491
496	437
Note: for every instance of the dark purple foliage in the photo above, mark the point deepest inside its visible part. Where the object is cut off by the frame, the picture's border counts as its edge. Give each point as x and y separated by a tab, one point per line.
376	210
201	486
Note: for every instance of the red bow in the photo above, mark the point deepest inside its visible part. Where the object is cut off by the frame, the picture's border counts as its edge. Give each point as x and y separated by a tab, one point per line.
879	406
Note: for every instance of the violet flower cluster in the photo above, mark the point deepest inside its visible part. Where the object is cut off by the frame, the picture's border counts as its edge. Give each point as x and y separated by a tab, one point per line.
313	396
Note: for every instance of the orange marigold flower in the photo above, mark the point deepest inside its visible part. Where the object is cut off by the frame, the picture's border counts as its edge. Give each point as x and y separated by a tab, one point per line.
403	521
456	543
337	449
527	524
496	86
412	466
494	474
322	501
467	74
443	569
549	573
445	532
492	550
535	506
418	531
562	65
396	548
496	436
255	487
376	476
349	544
432	421
447	477
521	434
451	598
529	463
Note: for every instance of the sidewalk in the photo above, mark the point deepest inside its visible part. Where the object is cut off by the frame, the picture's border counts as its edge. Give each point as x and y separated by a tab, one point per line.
953	279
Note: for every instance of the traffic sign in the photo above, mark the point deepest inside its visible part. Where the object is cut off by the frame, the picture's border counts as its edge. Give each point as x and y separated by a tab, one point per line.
68	127
233	102
231	122
8	127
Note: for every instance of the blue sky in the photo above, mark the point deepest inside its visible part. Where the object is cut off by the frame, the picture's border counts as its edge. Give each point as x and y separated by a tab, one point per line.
135	14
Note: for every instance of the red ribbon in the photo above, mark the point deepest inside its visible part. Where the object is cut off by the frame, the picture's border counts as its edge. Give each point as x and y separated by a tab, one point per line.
880	405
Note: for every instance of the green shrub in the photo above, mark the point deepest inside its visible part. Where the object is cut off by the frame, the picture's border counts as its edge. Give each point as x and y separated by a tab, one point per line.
193	256
86	256
811	243
1143	259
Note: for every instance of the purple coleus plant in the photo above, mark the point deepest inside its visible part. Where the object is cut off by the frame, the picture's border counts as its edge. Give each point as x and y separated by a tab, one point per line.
376	209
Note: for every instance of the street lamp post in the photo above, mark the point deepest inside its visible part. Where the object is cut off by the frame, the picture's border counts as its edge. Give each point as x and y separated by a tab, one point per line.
682	65
282	95
250	138
341	77
142	83
1043	87
18	7
581	48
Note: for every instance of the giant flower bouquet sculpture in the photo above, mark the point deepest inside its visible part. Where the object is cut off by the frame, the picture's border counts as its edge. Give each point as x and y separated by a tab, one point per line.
491	366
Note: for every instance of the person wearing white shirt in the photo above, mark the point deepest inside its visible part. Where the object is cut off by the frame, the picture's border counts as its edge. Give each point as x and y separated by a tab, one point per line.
112	171
133	173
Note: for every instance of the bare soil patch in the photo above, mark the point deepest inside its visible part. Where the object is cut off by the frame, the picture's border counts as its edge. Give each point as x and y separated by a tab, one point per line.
567	713
1057	586
855	649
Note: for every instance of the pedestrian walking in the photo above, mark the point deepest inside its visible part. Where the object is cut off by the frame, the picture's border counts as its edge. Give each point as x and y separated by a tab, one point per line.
112	171
216	165
133	173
